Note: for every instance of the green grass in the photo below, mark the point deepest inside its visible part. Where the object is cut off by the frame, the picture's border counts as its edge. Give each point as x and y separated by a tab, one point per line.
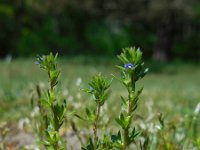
172	89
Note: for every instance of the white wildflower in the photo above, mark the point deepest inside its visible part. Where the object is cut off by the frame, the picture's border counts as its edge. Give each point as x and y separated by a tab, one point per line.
179	136
78	95
42	85
158	127
78	81
65	92
77	105
31	147
153	128
197	109
142	126
105	107
35	112
22	122
105	119
70	98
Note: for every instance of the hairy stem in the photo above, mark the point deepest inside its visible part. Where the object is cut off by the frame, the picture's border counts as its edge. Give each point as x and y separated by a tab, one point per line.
129	113
126	130
55	145
95	125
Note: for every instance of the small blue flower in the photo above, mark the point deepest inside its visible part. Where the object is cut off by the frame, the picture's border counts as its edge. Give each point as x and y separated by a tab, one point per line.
42	58
37	62
129	66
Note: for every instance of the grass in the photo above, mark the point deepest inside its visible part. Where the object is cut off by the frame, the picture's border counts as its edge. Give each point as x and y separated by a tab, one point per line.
167	86
172	89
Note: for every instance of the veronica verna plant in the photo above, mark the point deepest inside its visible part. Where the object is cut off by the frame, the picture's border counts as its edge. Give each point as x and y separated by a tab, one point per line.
132	70
99	89
54	109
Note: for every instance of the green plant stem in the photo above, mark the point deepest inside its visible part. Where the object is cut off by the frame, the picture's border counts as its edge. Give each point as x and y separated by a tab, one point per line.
126	129
129	113
51	84
96	124
125	138
56	129
56	146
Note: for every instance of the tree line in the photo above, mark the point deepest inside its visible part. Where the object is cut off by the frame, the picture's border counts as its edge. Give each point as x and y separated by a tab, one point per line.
164	29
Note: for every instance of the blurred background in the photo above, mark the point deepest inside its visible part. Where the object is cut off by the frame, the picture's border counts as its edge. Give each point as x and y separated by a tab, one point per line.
88	34
164	29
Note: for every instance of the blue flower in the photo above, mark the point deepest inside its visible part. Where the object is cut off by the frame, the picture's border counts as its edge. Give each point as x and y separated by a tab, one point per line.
37	62
129	66
42	58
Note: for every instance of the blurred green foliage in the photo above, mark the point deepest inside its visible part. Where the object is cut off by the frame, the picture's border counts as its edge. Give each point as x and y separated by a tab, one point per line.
100	27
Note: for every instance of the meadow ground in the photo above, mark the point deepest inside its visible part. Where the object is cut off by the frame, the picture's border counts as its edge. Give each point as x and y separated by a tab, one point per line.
172	89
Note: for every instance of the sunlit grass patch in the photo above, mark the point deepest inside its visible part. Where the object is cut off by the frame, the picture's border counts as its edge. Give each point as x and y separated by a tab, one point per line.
172	90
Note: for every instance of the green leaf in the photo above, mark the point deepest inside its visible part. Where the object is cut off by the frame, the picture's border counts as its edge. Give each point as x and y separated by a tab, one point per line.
120	122
98	87
143	73
124	122
117	140
123	100
121	68
78	116
145	145
127	121
132	135
45	103
32	102
90	115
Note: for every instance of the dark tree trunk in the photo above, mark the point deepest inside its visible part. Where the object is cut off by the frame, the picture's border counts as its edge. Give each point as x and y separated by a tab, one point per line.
165	36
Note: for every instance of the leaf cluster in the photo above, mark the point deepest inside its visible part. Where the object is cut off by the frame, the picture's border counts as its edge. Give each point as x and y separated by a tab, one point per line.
98	88
133	56
49	63
54	108
131	71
